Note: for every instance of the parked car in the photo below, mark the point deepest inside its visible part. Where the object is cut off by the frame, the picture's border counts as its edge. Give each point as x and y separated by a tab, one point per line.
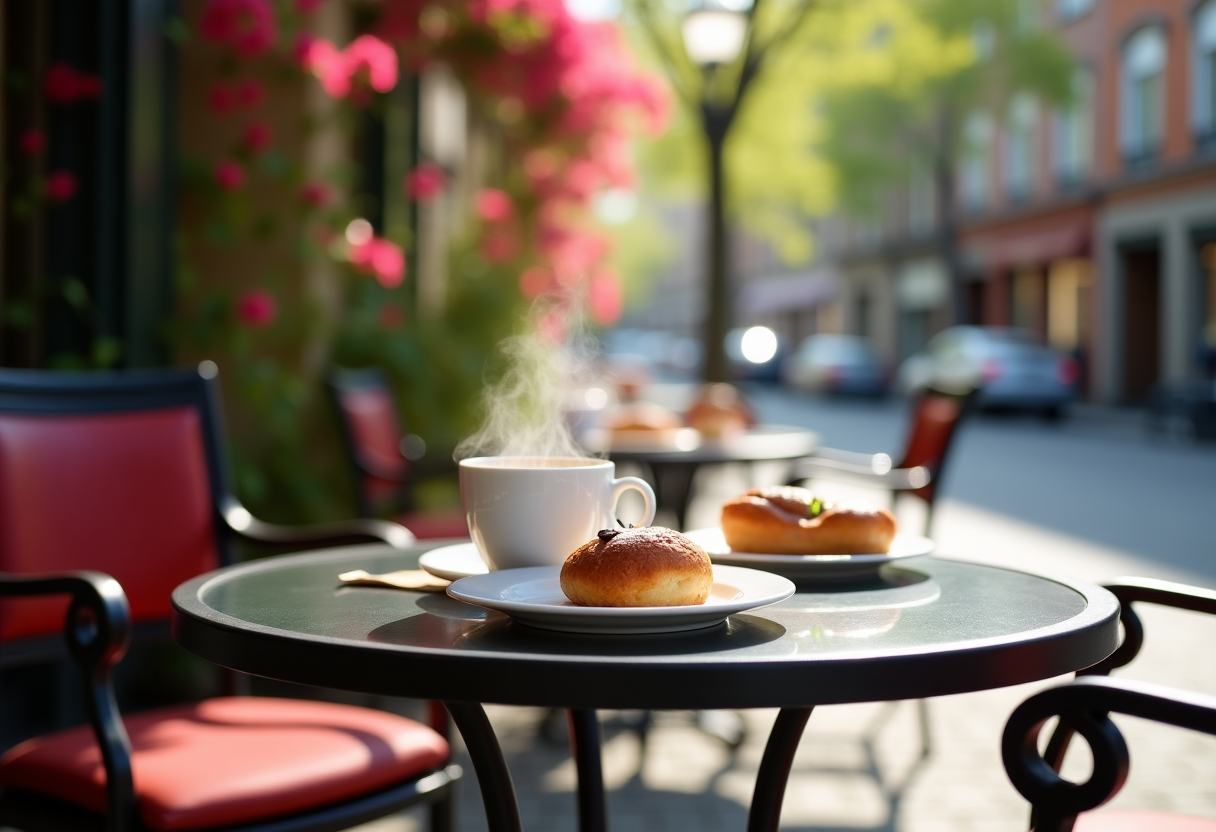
1012	367
836	365
755	353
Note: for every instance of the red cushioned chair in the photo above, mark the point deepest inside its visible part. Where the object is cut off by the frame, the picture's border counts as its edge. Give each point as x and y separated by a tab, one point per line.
385	461
1084	706
936	416
113	490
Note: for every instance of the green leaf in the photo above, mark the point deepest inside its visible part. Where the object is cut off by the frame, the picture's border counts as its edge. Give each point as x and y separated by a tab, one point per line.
106	352
75	293
18	315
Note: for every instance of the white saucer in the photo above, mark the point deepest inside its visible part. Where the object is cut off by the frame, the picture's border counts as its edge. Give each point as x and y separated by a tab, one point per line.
533	596
813	567
460	560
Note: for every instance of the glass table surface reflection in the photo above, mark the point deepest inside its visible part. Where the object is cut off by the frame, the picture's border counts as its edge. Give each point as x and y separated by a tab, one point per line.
930	628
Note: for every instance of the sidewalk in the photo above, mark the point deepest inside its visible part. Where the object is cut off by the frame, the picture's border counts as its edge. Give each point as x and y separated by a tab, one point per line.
859	766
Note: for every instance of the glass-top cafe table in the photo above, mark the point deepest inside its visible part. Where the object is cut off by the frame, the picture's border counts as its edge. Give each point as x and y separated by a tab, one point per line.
930	628
674	459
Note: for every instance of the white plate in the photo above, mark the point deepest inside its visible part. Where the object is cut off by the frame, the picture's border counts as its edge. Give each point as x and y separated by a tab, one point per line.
533	596
813	567
460	560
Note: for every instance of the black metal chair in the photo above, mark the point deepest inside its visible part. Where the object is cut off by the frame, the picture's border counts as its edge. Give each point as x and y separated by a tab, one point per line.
386	462
113	490
1083	707
936	417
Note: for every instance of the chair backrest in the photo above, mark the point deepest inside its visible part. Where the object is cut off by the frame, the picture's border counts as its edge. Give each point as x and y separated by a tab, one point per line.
936	415
119	472
372	433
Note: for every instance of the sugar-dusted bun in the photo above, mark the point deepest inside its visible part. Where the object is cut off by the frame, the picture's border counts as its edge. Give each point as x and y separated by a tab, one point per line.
792	521
651	567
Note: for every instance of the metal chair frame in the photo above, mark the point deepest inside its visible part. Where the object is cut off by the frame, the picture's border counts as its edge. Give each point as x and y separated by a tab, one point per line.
98	628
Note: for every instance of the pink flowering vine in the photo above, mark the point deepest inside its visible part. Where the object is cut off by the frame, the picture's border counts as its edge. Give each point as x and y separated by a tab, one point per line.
425	182
493	205
256	308
246	26
60	186
380	258
229	175
367	63
33	141
64	84
257	137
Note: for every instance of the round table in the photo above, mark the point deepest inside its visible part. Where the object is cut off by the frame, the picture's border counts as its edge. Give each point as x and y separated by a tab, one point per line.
675	460
931	628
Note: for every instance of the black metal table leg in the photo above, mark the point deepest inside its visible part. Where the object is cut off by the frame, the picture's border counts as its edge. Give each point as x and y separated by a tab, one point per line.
497	791
585	748
673	487
774	772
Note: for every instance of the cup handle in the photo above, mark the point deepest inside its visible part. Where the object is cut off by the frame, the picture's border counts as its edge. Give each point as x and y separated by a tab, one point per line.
622	485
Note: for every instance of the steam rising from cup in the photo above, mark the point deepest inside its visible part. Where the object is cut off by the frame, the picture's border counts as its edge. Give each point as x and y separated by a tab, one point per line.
524	410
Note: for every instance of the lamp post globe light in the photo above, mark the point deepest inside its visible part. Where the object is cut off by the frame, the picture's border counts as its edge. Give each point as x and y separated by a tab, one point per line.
714	33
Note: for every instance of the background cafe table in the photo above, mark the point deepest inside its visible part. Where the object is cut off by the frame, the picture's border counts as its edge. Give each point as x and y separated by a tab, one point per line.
675	461
938	627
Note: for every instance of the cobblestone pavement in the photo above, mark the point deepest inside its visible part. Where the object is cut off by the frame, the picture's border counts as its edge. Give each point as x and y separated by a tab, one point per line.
859	767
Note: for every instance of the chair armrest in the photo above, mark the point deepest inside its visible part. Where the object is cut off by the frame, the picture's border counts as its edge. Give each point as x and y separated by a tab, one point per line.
1084	705
1149	591
868	469
319	535
98	630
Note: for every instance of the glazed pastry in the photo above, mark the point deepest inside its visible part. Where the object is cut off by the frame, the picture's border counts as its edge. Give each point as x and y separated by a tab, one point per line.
786	520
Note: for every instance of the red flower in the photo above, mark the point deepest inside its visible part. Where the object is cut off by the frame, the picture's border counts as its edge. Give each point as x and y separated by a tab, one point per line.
604	298
381	258
229	175
315	194
369	57
60	186
303	44
65	85
307	7
329	65
493	205
250	93
221	99
33	141
257	137
425	182
256	307
248	26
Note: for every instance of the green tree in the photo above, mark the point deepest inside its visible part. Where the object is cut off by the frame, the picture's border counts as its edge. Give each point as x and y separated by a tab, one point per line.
903	80
742	134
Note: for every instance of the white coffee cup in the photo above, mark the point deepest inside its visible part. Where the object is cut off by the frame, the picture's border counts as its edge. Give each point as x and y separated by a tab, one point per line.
535	511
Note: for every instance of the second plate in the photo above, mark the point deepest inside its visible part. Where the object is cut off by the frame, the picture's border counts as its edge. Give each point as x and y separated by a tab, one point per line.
813	567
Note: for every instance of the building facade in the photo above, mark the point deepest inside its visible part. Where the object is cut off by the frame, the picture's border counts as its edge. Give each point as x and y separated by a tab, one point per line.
1094	225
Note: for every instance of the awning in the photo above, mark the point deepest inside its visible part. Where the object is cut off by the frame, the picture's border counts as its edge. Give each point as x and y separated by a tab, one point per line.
766	295
1032	247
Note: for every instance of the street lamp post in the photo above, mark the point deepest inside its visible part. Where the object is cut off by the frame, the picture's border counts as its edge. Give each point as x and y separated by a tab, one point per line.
714	34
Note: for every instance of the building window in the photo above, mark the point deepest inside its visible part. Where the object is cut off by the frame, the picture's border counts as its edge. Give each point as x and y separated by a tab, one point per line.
1203	75
1141	98
1069	10
973	171
1073	134
1020	120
